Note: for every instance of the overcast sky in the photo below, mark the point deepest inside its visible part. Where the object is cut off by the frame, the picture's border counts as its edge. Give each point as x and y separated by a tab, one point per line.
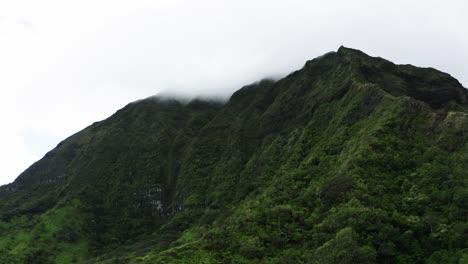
65	64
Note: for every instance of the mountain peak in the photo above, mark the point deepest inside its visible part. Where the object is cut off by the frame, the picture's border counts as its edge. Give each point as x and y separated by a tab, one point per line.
346	50
436	88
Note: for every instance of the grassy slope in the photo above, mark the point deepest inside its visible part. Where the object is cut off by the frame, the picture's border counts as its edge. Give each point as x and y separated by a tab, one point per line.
330	164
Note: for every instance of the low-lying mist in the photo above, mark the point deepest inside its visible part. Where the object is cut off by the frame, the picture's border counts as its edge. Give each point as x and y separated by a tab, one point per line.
65	65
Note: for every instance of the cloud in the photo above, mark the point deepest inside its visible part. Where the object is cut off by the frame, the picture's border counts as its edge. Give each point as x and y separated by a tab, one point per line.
66	64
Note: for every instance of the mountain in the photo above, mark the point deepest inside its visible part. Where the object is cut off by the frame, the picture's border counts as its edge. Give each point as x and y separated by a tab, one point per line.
351	159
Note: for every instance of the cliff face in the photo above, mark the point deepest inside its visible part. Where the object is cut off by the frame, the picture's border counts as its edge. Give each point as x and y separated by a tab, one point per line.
351	158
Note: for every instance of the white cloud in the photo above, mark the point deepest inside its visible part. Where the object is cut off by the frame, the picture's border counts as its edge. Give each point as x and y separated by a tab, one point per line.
66	64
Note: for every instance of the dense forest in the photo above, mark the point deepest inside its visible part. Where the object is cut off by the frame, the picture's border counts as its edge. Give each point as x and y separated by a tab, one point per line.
351	159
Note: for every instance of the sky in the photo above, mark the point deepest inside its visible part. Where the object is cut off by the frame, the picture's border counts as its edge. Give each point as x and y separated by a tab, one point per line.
68	63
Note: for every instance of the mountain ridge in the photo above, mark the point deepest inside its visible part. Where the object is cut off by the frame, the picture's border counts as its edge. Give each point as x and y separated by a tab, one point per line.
349	135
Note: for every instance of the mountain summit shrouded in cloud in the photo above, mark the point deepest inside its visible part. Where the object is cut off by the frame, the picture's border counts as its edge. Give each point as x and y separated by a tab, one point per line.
65	64
351	159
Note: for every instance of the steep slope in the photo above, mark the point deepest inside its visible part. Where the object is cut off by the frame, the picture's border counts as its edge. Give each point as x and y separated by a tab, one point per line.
351	159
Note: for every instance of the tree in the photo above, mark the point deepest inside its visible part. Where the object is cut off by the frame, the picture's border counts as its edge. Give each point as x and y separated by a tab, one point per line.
344	249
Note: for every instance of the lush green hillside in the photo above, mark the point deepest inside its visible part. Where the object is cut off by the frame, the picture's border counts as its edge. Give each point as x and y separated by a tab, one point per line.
351	159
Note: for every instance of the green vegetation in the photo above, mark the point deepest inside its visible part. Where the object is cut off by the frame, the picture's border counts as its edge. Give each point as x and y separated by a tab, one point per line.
351	159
